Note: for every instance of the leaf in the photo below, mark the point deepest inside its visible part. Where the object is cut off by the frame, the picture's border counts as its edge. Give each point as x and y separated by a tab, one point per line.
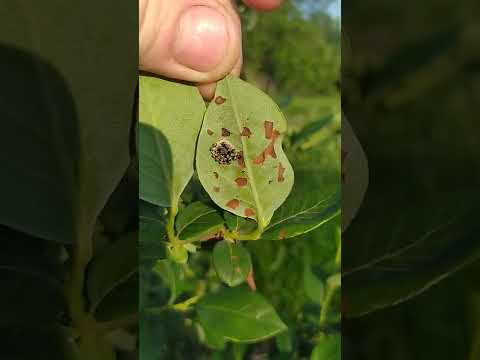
412	269
329	347
232	262
121	302
197	221
177	253
115	265
354	174
250	317
239	224
152	233
301	214
313	286
259	181
308	131
64	144
170	118
170	273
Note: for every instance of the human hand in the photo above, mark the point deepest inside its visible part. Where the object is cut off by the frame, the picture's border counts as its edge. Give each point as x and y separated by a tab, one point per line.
197	41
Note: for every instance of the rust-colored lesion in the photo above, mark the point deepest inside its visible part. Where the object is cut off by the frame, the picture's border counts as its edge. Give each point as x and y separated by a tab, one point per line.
271	134
282	234
241	181
216	189
281	173
249	212
219	100
225	132
209	132
241	160
268	125
215	174
246	132
233	204
250	280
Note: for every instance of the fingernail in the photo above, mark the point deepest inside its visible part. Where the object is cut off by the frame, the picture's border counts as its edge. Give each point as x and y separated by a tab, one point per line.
202	39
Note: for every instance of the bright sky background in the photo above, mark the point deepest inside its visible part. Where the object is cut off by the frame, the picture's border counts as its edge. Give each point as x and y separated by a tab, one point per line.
336	9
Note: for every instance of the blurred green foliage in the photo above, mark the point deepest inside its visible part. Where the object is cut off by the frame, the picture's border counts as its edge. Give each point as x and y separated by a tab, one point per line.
410	81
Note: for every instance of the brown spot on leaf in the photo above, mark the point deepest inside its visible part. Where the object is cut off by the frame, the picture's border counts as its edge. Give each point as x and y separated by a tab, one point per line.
209	132
241	160
281	173
270	181
241	181
251	281
225	132
259	160
282	234
270	151
219	100
216	189
268	129
233	204
249	212
215	174
246	132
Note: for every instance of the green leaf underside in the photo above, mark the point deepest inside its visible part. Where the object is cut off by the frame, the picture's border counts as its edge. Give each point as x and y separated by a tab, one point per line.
301	214
250	317
232	262
245	117
412	269
329	347
197	221
170	118
115	265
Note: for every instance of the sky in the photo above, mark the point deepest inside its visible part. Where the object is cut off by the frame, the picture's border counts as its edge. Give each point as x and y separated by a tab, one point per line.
336	9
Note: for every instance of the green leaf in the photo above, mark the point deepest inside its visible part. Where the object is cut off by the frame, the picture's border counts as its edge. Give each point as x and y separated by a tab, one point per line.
152	233
313	286
329	347
308	131
115	265
121	302
354	174
412	269
197	221
64	144
301	214
253	127
170	118
284	342
232	262
250	317
170	273
239	224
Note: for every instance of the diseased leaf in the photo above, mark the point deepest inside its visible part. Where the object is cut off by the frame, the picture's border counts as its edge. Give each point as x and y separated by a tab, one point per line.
250	317
232	262
113	266
301	214
198	221
170	118
240	160
329	347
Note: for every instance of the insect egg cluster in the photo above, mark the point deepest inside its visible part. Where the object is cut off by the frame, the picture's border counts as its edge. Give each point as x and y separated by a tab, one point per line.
223	152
